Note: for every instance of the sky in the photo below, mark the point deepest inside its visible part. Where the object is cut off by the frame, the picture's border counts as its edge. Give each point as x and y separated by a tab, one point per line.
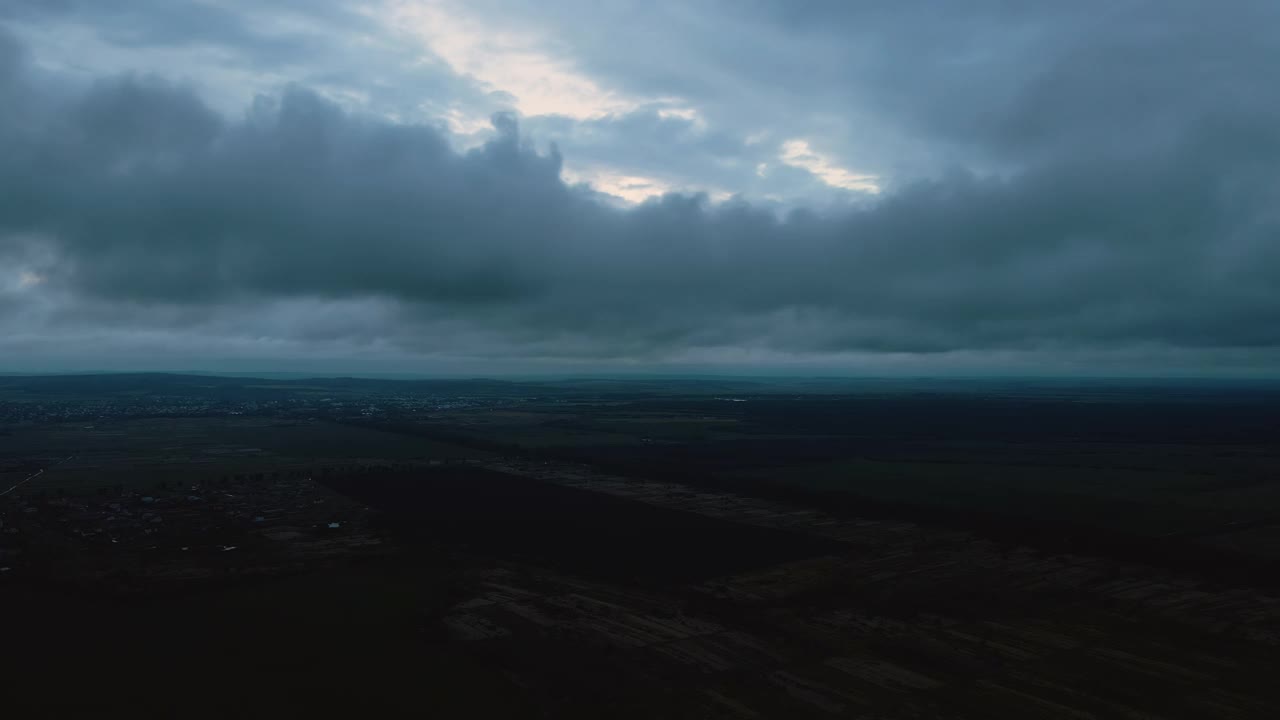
488	187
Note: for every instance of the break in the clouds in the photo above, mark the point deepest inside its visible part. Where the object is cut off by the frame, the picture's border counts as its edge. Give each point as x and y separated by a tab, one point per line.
495	186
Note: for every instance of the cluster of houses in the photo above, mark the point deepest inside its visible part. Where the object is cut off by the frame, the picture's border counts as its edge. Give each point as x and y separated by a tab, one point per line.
259	523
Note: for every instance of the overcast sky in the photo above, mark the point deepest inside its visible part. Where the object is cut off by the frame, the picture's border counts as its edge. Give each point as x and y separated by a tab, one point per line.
492	186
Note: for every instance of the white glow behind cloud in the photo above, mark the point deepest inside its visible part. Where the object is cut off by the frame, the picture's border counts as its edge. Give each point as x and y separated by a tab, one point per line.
508	61
523	73
798	153
631	188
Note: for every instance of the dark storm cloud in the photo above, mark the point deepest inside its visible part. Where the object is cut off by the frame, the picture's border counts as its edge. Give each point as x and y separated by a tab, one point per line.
231	49
157	23
1124	198
990	82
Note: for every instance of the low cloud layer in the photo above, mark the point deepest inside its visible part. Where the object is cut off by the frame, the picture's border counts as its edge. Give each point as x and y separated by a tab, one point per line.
1112	206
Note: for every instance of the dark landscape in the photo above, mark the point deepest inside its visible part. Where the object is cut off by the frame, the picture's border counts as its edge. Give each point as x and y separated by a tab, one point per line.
662	360
710	547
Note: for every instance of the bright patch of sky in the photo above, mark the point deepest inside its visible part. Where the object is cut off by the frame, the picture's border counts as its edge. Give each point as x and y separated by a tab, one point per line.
632	189
798	153
513	62
526	72
448	62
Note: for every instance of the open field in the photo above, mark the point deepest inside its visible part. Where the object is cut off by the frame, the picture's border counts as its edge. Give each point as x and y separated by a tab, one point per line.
1177	463
145	452
566	528
595	549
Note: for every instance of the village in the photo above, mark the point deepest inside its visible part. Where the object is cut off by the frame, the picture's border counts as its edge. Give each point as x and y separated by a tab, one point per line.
245	524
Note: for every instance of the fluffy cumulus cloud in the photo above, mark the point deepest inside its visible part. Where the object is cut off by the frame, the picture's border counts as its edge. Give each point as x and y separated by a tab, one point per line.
750	186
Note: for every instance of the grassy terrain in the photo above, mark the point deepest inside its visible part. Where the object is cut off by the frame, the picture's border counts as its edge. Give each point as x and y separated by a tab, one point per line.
934	550
141	453
1186	464
348	641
